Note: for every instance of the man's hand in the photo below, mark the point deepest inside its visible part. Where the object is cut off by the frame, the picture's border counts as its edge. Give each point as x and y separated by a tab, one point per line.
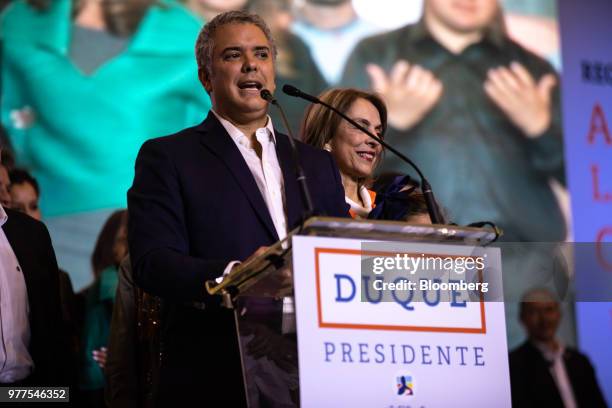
410	92
526	103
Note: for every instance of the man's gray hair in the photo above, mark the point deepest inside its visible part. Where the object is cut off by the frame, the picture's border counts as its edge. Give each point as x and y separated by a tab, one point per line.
205	44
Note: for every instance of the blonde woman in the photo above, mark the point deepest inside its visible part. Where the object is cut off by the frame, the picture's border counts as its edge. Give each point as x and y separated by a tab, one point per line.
356	153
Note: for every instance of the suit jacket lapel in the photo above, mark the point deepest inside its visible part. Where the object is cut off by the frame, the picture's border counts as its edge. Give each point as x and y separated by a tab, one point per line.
293	198
216	139
22	250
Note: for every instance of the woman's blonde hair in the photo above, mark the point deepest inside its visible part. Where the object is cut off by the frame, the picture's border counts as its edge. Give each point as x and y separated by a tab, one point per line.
320	124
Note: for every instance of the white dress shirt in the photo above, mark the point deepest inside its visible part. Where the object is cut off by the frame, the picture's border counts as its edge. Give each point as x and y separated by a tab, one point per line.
269	178
15	360
559	373
266	170
361	210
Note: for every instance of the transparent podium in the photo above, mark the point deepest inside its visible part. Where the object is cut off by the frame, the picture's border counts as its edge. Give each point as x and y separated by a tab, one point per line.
261	295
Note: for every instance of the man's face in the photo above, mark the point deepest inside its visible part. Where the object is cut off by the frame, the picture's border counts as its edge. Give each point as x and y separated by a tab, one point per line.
541	319
242	65
462	16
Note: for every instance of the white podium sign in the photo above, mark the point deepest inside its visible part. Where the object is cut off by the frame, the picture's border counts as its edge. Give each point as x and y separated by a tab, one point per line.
428	346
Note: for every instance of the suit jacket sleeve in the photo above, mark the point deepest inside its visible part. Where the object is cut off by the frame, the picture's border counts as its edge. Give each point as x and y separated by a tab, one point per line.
158	234
586	380
518	380
65	360
120	371
50	344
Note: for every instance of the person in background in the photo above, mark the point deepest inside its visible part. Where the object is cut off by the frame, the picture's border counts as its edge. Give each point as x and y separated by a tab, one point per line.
473	105
356	154
24	193
133	360
84	83
543	371
35	348
294	63
98	300
481	116
331	29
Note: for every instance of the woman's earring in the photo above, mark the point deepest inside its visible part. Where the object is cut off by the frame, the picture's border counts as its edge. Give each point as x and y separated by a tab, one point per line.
327	147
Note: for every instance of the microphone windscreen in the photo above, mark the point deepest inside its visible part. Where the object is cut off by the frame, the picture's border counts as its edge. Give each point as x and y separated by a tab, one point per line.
267	95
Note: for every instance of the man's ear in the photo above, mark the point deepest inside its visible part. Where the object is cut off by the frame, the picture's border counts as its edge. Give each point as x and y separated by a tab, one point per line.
204	80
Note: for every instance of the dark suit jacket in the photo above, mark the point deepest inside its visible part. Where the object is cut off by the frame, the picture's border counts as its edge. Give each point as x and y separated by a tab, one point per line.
533	385
48	342
194	207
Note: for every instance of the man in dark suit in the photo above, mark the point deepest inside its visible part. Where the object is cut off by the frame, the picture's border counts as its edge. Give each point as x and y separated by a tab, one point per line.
34	346
544	372
214	194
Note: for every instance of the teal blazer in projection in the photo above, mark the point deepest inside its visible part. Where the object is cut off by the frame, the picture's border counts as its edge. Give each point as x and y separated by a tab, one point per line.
79	134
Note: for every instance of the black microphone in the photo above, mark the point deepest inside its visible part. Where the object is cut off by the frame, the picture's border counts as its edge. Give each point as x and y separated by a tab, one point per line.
267	95
301	177
430	201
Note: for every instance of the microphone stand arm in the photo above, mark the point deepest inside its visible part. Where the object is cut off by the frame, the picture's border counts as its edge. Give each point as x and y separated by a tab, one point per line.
301	177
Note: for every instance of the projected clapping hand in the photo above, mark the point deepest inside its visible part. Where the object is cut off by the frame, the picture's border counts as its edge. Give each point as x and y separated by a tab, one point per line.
409	90
524	101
